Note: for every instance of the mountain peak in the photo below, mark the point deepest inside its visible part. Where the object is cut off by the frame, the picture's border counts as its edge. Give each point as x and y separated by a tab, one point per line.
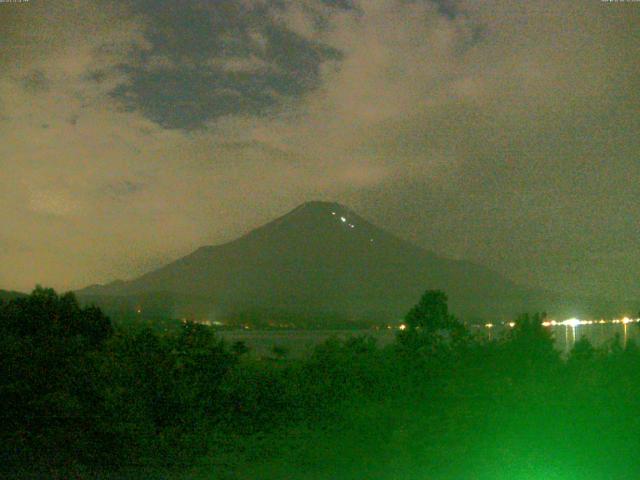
321	207
319	259
313	214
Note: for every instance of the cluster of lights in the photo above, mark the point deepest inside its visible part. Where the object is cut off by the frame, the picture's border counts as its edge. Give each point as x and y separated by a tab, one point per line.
344	220
575	322
571	322
350	225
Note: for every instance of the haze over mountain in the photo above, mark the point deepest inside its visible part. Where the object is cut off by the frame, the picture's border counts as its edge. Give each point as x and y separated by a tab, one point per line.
322	261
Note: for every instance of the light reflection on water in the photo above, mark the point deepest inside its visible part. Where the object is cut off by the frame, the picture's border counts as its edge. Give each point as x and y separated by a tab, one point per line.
566	336
297	343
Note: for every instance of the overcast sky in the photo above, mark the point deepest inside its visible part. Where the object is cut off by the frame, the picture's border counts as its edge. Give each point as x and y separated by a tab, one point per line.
505	132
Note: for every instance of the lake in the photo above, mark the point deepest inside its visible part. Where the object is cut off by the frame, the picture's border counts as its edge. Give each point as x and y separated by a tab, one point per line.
298	343
598	334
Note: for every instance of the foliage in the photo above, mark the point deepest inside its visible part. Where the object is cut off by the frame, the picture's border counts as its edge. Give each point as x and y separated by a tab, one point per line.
80	399
49	389
431	313
430	328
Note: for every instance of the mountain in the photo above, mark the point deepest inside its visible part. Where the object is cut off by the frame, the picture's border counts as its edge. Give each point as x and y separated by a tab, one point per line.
320	262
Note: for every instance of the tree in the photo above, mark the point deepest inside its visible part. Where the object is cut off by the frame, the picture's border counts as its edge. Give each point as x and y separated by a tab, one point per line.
45	314
430	323
431	313
279	352
49	391
582	351
531	344
239	348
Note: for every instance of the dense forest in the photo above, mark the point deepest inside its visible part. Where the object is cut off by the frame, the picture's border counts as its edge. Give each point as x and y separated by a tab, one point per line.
82	398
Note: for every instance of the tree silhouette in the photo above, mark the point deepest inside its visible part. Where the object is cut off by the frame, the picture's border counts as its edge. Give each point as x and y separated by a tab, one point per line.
431	313
430	326
582	351
49	390
279	352
239	348
44	313
531	344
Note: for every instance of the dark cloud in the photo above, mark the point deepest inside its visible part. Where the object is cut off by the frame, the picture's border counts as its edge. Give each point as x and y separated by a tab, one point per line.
213	59
500	131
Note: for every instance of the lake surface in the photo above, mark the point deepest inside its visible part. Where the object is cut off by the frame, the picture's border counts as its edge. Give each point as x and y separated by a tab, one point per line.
301	342
566	336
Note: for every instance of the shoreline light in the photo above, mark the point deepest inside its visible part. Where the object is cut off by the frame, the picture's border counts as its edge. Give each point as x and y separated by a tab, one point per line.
572	322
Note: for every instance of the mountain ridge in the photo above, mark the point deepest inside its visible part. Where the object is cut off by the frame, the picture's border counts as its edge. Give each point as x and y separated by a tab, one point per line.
323	259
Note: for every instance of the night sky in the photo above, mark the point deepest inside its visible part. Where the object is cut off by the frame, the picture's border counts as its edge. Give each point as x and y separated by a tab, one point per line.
504	132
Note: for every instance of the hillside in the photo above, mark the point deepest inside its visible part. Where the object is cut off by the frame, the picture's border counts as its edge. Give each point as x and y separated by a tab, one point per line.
320	261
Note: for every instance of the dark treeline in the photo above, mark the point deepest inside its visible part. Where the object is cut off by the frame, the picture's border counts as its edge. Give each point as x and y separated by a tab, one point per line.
82	399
